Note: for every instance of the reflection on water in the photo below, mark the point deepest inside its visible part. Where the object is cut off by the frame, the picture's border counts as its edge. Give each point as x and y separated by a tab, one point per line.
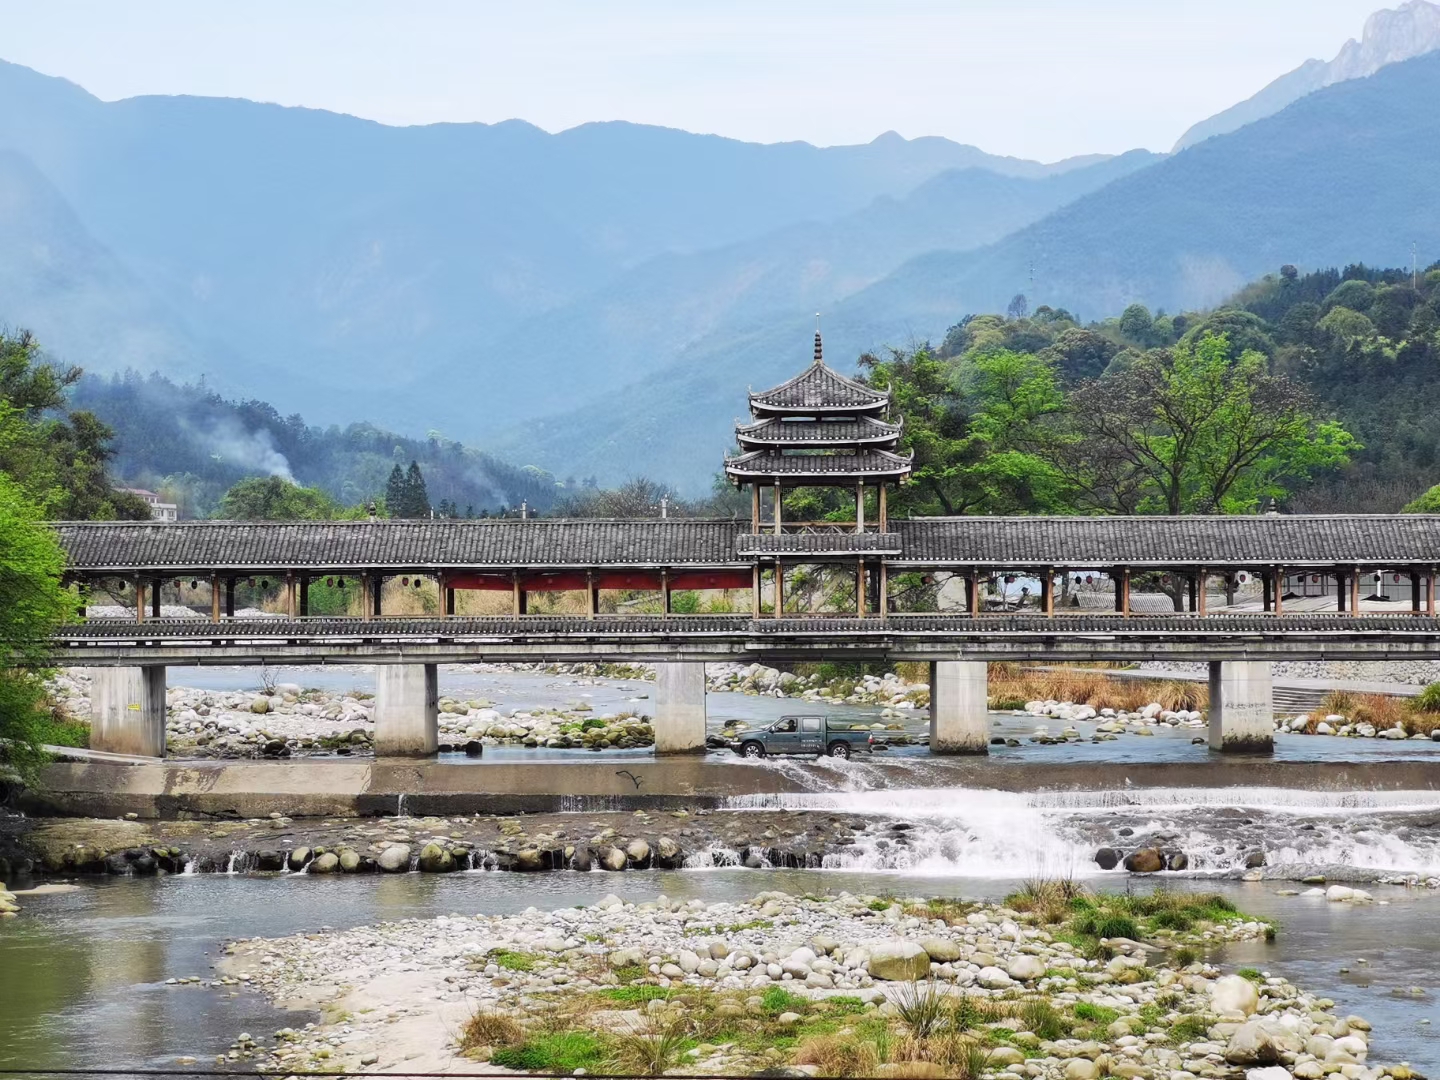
83	972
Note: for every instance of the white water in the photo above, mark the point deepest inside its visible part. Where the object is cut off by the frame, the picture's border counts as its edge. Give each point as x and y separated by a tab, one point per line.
982	833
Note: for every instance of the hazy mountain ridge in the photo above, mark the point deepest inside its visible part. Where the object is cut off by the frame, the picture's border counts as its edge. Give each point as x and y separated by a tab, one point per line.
1389	36
1298	187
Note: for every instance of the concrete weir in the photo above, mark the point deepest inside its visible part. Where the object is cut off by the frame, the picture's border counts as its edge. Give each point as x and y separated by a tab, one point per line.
1242	708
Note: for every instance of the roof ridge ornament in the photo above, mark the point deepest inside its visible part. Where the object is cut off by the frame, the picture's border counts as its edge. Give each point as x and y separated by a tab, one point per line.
818	352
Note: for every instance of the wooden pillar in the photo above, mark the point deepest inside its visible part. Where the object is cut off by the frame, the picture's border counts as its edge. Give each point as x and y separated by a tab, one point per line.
860	588
779	587
972	593
1047	590
1122	592
517	595
449	601
1267	589
1430	592
230	597
755	509
290	598
1200	601
1355	591
754	592
139	598
665	591
884	517
1193	586
214	598
155	589
859	506
884	584
304	596
1340	590
777	506
592	595
1279	590
377	591
1415	590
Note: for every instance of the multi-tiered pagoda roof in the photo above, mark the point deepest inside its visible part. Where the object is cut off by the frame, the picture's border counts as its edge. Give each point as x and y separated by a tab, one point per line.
819	427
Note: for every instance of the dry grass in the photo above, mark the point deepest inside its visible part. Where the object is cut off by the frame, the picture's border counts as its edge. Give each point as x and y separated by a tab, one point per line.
836	1056
1048	899
490	1029
1011	688
1379	710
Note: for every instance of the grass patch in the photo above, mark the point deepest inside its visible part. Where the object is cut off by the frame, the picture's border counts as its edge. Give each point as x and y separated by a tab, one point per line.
1095	1014
513	961
556	1052
1252	974
777	999
491	1029
1189	1028
53	729
635	995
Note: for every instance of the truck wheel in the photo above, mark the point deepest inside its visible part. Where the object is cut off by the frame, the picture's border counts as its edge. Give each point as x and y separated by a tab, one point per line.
752	749
839	749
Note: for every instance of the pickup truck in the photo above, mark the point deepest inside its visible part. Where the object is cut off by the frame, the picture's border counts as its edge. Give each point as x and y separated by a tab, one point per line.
802	735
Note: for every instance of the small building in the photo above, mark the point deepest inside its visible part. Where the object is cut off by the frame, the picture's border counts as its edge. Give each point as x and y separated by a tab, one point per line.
159	510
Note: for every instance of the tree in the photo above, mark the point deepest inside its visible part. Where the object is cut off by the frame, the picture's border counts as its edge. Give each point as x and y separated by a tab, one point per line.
1019	306
1136	324
973	426
32	605
57	457
397	495
1428	503
418	499
1187	430
273	498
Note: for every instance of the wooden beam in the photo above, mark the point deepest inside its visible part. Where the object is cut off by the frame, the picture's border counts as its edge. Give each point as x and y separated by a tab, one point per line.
972	593
755	592
446	609
665	591
859	506
1125	591
214	598
304	595
139	599
755	509
1200	602
156	588
1355	591
1340	590
884	517
1279	590
884	587
777	506
860	588
290	608
230	596
1415	590
1047	590
592	595
779	587
517	595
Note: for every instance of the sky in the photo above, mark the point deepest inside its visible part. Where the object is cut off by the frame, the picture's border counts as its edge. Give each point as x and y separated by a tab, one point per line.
1039	79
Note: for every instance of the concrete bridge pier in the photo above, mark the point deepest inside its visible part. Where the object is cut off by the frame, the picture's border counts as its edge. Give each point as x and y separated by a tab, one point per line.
679	718
1242	707
959	707
127	710
407	707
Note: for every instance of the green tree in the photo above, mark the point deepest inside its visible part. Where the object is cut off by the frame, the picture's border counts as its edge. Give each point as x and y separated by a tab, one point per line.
418	499
1188	430
32	605
397	495
272	498
975	426
1428	503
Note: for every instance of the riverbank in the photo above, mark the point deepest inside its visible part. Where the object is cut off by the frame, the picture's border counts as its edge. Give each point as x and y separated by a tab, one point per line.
1054	982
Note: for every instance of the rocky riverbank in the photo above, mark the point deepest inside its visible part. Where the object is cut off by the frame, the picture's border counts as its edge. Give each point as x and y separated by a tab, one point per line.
1055	984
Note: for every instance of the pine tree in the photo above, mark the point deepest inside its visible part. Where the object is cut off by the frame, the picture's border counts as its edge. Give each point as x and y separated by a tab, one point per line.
396	493
418	503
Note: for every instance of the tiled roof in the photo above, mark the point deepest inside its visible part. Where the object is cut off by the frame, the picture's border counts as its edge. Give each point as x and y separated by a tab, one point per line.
816	389
200	545
773	431
1271	539
771	463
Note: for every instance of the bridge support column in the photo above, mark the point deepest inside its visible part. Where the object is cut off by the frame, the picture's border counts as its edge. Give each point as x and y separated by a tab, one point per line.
407	706
679	708
127	710
1242	709
959	711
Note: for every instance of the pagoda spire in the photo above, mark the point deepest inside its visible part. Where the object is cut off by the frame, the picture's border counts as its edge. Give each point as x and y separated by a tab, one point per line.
818	351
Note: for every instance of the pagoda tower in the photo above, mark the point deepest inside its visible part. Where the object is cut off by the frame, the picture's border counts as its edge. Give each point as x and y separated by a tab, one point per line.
819	429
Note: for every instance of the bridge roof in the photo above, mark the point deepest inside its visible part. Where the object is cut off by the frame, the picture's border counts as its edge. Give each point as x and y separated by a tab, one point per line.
203	545
1370	539
1002	542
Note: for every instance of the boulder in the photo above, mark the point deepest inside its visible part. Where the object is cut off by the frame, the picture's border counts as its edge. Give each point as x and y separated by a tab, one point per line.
1025	967
325	864
1261	1042
395	859
638	854
668	854
529	860
260	705
299	857
620	958
993	978
434	859
349	860
941	950
270	860
1235	994
1107	858
898	961
580	859
1080	1068
612	858
1145	861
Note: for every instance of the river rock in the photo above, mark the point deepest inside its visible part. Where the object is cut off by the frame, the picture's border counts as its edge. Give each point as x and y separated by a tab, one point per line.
1080	1068
1025	967
993	978
434	859
668	855
349	860
1261	1042
1235	994
620	958
395	859
941	950
270	860
612	858
325	864
260	705
299	857
638	854
1145	861
579	859
898	961
529	859
1107	858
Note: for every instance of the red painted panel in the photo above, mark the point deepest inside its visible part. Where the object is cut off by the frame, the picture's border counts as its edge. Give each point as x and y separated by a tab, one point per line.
711	579
480	581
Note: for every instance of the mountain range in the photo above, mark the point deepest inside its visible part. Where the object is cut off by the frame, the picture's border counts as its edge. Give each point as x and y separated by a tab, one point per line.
596	301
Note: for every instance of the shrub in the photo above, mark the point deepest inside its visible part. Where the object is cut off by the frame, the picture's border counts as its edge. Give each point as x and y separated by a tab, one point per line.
835	1056
490	1029
1428	700
777	1000
921	1007
1044	1020
649	1053
1189	1028
559	1052
1095	1014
